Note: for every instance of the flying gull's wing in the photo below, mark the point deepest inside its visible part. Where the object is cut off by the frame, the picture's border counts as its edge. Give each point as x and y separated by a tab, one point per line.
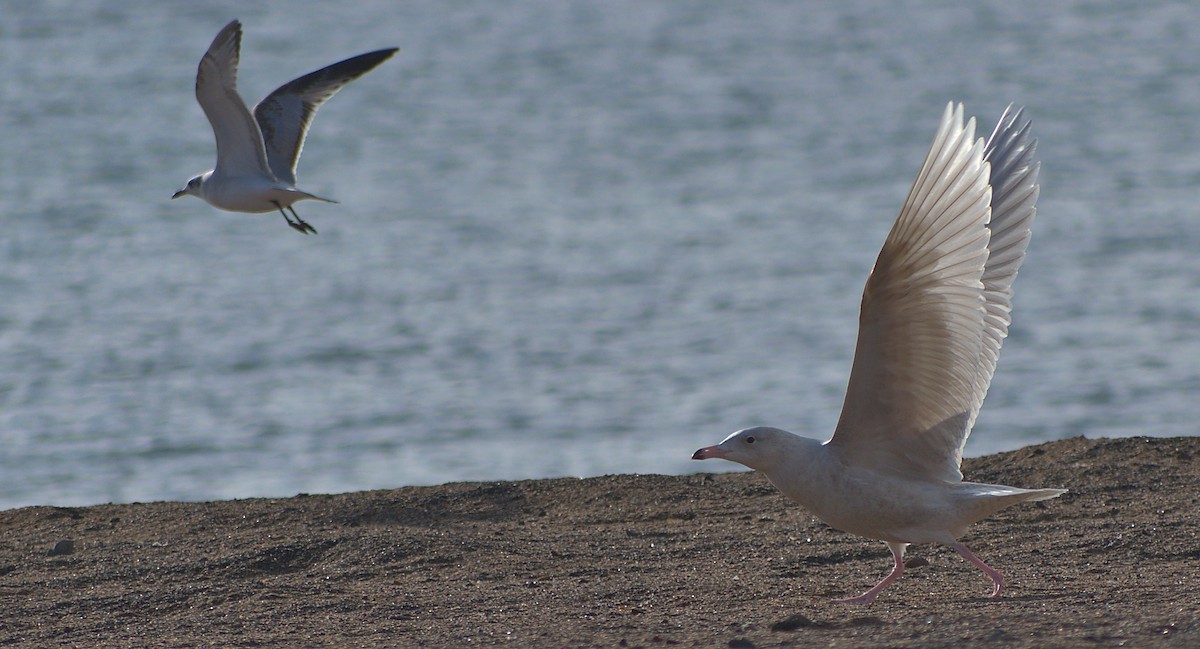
284	115
239	142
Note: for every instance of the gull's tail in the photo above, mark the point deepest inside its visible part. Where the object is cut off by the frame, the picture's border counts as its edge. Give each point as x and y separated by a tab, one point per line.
1043	494
987	499
303	195
1011	495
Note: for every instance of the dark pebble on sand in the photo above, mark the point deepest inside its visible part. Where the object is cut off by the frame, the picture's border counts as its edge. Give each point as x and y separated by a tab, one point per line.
65	546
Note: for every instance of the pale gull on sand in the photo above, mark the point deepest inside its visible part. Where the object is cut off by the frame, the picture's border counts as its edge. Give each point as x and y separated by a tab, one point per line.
257	154
934	312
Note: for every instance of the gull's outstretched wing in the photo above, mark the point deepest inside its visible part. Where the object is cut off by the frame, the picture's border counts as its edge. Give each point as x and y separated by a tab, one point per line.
936	306
283	116
239	142
1010	151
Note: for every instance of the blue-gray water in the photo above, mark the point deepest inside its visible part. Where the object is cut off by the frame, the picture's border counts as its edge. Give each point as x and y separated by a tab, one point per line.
574	238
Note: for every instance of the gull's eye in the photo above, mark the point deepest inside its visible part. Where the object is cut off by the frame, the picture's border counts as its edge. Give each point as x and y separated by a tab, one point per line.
750	440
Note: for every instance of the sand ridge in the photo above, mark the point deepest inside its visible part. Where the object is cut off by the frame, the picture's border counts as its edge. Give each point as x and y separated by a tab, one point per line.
617	561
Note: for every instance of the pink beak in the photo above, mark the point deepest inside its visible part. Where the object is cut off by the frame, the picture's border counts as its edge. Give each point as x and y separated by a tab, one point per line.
709	452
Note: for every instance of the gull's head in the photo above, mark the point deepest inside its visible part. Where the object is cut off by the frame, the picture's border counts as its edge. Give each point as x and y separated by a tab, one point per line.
759	448
193	187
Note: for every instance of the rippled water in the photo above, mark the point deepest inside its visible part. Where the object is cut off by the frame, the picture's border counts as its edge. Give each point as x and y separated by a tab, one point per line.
574	238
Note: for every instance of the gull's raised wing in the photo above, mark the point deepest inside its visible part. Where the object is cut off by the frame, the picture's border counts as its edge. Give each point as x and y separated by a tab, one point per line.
1011	152
239	142
284	115
914	383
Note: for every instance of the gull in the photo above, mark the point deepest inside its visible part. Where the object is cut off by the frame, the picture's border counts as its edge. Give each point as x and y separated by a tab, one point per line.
934	313
257	155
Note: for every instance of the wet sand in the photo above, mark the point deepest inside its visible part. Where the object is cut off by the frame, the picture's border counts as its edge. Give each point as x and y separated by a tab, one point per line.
617	561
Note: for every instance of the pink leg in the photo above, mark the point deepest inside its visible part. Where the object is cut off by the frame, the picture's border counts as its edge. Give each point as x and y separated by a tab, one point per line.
997	578
897	570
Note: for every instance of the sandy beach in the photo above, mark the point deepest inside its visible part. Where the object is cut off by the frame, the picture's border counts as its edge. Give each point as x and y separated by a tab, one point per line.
617	561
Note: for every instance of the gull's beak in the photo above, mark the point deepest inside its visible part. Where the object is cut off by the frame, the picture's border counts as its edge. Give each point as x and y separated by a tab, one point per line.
178	193
709	452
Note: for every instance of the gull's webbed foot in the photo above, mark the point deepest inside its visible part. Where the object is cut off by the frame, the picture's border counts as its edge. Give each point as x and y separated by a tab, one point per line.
897	570
299	225
992	573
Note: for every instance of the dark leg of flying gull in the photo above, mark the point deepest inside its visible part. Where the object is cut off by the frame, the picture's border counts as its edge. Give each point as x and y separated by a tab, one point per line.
299	224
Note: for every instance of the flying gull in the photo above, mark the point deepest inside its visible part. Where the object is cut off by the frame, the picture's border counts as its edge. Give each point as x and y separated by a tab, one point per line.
934	313
257	155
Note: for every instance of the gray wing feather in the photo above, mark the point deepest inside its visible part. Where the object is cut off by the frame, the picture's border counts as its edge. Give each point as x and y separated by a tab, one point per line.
1011	151
284	115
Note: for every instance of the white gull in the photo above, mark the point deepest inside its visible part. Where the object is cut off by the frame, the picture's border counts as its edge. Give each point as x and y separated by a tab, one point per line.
257	155
934	313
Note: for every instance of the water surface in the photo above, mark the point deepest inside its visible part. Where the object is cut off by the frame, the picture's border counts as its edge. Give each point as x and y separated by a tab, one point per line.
574	238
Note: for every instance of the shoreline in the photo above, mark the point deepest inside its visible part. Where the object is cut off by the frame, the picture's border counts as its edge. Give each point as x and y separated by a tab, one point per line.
623	561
